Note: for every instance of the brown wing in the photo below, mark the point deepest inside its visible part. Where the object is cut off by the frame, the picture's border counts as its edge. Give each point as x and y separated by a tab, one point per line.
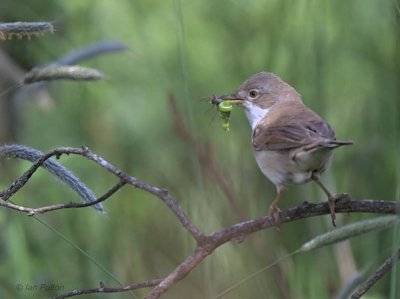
283	129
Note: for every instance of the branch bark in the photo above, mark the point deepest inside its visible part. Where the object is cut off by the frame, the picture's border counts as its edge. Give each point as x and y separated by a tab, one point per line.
206	244
103	289
85	152
45	209
306	210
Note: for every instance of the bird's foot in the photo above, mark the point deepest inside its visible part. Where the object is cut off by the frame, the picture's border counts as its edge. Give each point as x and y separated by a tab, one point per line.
274	212
342	197
332	204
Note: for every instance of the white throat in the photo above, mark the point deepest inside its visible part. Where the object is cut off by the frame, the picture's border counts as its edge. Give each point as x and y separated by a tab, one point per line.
254	113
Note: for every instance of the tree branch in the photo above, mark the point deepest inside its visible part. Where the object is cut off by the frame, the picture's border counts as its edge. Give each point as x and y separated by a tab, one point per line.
45	209
378	274
85	152
214	240
206	244
103	289
306	210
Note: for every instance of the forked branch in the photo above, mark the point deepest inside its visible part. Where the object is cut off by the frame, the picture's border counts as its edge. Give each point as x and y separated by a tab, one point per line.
206	244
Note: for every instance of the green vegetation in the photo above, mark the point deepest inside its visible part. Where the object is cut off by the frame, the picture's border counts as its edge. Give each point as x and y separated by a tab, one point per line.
341	56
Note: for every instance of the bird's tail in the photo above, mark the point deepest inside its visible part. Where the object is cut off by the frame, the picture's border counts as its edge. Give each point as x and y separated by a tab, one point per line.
337	143
332	144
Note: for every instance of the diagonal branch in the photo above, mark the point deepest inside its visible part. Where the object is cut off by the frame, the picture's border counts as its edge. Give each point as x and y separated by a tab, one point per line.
306	210
85	152
206	244
158	192
214	240
378	274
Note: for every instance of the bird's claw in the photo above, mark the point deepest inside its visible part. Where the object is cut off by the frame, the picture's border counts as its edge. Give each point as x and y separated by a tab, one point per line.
274	212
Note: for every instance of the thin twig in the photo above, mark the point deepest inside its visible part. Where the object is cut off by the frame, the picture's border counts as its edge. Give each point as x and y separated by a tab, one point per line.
57	170
205	244
378	274
45	209
103	289
158	192
85	152
23	179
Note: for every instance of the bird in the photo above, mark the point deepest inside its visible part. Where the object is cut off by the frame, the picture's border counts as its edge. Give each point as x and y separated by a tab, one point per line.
291	143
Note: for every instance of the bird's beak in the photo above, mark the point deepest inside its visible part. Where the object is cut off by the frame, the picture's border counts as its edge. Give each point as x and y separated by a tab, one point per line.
232	97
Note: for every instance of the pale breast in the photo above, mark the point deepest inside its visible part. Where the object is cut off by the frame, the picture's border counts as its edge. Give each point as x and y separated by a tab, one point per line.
281	169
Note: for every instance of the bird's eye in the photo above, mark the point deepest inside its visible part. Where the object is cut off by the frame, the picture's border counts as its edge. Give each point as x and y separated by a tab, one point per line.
253	93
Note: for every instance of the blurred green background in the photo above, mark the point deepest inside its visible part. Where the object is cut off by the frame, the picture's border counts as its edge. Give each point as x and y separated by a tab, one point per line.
342	57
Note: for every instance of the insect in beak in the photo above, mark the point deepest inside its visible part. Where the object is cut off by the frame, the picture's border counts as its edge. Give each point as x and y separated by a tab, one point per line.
224	109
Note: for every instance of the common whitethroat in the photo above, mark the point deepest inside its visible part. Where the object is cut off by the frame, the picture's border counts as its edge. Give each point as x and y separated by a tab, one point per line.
291	143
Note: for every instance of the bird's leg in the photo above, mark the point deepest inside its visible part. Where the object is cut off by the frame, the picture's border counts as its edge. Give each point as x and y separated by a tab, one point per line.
331	199
273	209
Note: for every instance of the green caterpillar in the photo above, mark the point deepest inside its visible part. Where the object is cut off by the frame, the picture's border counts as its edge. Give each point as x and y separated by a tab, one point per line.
224	109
